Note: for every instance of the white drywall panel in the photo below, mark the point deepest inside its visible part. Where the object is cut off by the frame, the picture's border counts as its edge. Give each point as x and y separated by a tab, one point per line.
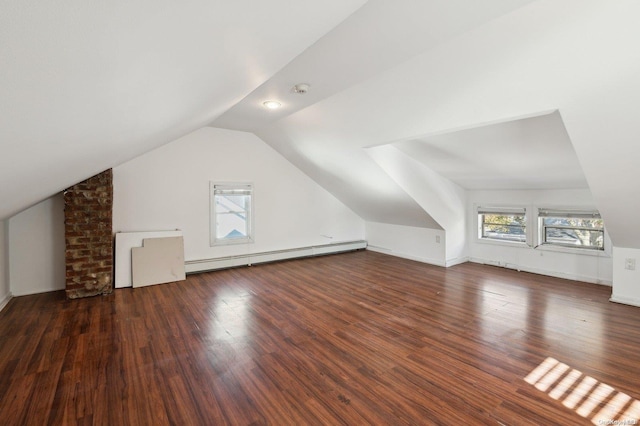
158	261
125	241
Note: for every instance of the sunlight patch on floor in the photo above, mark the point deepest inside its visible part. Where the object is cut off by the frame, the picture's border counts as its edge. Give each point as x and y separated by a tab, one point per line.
588	397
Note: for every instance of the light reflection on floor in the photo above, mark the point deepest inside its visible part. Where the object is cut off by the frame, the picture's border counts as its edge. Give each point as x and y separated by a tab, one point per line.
506	310
584	394
231	317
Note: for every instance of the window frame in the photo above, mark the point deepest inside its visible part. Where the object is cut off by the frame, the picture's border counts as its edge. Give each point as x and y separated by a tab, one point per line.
511	210
242	188
568	213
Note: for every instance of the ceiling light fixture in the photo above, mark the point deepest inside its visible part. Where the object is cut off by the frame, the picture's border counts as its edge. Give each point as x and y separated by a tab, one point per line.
272	104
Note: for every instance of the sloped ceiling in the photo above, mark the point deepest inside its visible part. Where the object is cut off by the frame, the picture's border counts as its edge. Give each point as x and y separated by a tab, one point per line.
529	153
85	86
379	36
576	57
368	45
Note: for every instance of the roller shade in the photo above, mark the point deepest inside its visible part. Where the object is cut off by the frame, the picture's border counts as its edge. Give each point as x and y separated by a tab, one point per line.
502	211
577	214
232	189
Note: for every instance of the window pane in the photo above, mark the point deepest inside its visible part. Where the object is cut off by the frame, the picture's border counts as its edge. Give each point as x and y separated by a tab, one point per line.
231	210
503	227
227	203
231	216
577	222
574	232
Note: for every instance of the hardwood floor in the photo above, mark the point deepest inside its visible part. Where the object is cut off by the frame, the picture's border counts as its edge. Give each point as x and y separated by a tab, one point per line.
358	338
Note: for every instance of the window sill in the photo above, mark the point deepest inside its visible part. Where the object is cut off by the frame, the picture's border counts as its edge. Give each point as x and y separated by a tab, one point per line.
231	242
570	250
519	244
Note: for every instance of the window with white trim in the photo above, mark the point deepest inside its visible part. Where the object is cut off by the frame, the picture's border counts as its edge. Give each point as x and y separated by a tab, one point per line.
582	229
231	213
502	224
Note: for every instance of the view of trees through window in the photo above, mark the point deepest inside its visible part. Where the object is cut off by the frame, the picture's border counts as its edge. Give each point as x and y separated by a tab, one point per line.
506	227
583	229
573	231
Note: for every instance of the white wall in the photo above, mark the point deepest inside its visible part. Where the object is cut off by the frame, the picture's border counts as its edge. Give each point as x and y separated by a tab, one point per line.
626	282
590	267
5	293
36	248
443	199
410	242
168	188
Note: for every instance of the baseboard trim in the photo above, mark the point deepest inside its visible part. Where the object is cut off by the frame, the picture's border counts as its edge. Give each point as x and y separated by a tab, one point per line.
625	300
5	300
203	265
457	261
390	252
538	271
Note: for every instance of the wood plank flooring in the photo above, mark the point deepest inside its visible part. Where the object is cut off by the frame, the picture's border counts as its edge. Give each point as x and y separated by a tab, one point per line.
357	338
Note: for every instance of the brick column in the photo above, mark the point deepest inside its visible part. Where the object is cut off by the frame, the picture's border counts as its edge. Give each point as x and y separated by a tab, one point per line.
88	209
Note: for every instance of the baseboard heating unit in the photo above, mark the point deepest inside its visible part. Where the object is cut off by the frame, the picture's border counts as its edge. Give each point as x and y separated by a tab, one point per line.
193	266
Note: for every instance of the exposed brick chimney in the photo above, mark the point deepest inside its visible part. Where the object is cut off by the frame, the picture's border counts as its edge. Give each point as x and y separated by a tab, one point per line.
88	209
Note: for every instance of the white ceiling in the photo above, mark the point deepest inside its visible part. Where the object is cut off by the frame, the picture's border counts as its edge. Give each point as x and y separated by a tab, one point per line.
88	86
85	86
576	57
379	36
529	153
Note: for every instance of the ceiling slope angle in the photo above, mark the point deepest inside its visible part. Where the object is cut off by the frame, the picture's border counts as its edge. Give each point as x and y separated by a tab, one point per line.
574	58
328	144
377	37
528	153
87	86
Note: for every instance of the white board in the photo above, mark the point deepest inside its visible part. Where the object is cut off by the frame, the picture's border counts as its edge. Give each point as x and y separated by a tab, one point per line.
125	241
158	261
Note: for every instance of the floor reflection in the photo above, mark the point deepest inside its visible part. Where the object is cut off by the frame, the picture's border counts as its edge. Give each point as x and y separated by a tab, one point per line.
588	397
231	317
509	312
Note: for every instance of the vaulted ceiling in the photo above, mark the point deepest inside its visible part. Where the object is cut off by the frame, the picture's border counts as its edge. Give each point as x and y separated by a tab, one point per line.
528	153
87	86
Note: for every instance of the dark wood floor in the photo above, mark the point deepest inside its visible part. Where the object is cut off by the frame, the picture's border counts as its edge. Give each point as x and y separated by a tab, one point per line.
358	338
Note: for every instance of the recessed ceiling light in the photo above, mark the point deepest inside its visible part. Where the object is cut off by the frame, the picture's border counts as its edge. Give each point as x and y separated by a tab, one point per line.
272	104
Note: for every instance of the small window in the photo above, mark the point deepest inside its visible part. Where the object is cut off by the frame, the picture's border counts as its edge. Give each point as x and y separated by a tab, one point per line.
583	229
502	224
231	213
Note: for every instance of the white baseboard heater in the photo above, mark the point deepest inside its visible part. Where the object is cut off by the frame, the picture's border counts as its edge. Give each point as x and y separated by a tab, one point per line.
193	266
